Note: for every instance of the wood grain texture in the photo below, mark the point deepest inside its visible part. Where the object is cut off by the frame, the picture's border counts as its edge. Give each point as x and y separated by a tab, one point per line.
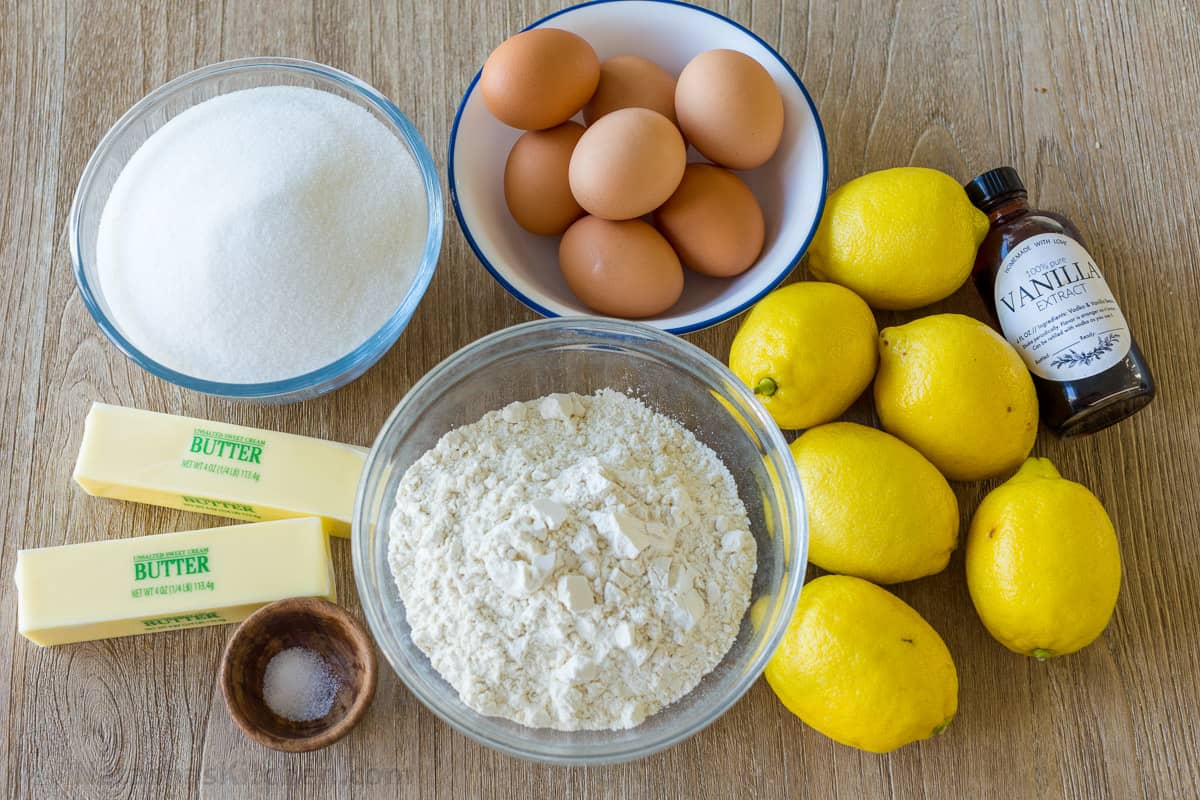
1094	101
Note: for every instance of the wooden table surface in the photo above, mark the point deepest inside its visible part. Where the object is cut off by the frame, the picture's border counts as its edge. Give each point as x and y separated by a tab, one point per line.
1093	100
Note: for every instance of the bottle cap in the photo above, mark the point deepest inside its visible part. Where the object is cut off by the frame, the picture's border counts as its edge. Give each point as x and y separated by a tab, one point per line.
993	185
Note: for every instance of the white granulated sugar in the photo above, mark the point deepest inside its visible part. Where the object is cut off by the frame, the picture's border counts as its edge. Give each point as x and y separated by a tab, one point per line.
261	234
299	685
574	562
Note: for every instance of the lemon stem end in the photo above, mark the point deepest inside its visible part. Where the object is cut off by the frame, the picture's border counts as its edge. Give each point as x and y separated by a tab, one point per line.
766	387
1037	468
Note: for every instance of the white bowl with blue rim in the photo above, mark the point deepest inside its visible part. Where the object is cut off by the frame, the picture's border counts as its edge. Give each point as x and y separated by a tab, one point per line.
790	187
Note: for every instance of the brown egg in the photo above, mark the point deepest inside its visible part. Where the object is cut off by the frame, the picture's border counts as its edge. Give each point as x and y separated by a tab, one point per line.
713	221
627	164
621	269
535	180
729	108
539	78
631	82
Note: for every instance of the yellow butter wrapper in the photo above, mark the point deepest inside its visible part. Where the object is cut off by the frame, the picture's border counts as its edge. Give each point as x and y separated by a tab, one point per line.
230	471
168	581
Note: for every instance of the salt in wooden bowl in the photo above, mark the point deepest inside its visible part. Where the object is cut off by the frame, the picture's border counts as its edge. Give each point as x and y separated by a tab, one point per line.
314	624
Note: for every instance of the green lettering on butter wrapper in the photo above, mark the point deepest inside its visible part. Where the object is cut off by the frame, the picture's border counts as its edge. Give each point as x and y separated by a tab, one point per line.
229	446
170	564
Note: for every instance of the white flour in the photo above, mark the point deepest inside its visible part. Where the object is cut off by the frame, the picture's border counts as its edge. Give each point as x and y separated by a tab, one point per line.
572	563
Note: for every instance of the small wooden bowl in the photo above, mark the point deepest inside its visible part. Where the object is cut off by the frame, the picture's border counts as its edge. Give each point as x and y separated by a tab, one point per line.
320	626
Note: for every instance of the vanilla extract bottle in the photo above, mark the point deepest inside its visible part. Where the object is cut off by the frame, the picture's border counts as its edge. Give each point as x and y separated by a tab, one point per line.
1053	305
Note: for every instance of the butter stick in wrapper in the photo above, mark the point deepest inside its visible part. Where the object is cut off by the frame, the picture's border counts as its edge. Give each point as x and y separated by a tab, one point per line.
168	581
230	471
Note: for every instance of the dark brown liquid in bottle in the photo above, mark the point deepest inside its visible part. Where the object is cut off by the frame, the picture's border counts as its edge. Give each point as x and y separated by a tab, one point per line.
1069	407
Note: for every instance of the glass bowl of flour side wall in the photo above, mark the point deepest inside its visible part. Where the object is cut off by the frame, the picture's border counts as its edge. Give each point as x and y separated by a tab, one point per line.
257	229
526	363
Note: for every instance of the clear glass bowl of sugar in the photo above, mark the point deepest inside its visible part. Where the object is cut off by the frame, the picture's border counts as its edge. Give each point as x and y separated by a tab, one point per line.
167	102
582	355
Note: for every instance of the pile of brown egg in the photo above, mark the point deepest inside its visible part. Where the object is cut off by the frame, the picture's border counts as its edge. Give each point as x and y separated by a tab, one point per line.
631	211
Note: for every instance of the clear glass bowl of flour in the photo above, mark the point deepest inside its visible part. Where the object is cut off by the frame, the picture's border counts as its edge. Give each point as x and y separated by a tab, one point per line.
582	355
187	91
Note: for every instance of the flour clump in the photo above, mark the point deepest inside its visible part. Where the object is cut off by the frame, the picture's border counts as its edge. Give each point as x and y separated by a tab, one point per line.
574	562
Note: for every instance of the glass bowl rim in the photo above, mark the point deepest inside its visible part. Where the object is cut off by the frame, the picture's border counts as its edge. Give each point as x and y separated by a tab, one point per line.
760	424
361	357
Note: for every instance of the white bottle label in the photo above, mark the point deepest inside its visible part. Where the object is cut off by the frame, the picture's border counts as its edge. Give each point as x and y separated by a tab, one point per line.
1056	309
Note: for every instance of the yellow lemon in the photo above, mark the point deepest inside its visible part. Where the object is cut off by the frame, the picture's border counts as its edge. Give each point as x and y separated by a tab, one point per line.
901	238
862	667
954	389
1043	565
808	351
877	508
